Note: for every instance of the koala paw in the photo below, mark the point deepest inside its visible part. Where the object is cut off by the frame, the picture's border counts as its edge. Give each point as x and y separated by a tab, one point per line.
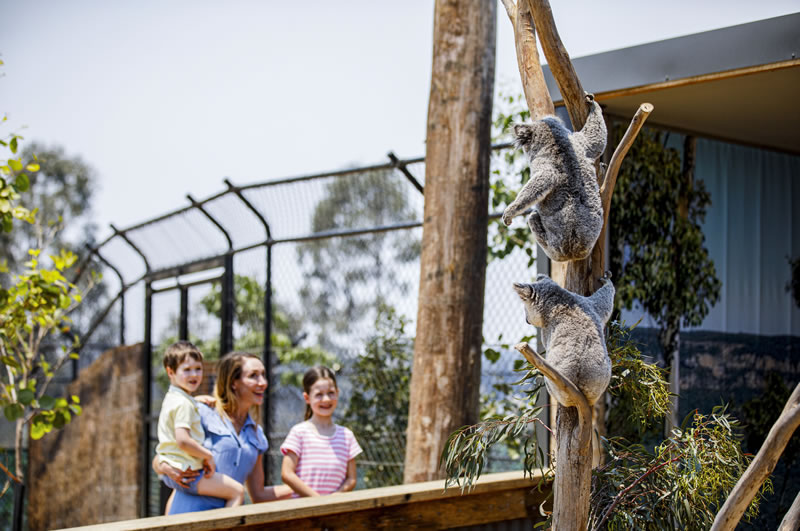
507	218
606	276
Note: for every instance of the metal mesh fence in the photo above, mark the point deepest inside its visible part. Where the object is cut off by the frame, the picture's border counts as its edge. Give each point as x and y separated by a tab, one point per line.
339	254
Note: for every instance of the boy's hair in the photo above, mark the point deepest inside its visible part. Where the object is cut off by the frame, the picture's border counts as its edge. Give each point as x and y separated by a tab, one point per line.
177	353
310	378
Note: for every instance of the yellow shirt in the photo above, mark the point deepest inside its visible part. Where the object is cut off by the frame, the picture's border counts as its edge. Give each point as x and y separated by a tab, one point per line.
178	410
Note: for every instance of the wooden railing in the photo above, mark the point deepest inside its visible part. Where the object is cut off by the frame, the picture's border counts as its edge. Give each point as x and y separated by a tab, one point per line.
498	497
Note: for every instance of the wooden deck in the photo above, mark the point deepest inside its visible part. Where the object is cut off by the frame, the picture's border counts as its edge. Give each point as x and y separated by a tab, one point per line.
496	498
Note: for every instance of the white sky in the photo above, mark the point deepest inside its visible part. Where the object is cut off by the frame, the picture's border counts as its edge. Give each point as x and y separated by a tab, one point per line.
165	98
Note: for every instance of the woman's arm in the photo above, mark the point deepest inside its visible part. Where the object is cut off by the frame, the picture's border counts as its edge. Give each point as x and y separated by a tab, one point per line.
290	477
349	482
264	493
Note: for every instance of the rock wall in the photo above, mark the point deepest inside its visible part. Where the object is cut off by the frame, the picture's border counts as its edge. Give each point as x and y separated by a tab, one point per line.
88	472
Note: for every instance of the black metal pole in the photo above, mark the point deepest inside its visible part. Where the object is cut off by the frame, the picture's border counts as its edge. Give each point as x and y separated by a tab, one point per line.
122	319
183	323
19	506
146	399
228	307
267	413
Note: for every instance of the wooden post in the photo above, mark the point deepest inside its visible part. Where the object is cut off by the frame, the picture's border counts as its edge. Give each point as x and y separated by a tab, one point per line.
447	351
572	482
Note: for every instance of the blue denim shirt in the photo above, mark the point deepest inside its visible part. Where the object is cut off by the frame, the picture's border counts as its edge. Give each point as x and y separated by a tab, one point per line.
235	455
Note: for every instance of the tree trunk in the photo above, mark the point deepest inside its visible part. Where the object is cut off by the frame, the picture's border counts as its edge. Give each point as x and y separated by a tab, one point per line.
572	483
447	352
670	339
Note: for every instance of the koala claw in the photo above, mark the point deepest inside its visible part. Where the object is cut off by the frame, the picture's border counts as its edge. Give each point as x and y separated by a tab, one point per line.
507	219
589	97
606	276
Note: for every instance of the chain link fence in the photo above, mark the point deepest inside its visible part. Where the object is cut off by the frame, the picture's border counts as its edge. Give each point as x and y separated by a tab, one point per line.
327	267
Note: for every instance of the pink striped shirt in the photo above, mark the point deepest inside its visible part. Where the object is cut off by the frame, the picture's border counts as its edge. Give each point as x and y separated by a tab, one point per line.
322	461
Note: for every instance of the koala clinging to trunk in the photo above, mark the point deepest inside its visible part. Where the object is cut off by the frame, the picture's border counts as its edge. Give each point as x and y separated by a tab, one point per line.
567	212
572	329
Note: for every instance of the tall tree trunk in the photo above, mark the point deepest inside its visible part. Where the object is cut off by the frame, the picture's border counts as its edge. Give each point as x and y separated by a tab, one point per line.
670	335
447	352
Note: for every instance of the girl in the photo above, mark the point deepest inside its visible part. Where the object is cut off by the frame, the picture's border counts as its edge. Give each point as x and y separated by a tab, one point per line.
319	456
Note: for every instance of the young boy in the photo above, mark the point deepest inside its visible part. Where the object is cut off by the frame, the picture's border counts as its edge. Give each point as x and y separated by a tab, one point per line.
180	434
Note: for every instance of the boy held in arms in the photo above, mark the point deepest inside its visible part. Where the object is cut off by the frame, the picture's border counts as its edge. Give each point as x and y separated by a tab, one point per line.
180	433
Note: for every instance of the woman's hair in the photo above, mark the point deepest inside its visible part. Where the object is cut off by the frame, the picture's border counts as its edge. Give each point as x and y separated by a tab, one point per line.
229	369
310	378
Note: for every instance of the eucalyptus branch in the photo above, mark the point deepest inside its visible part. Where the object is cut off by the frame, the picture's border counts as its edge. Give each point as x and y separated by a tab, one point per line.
641	478
9	473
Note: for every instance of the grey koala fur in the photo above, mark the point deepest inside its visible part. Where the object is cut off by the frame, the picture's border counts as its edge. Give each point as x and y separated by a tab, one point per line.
567	212
572	329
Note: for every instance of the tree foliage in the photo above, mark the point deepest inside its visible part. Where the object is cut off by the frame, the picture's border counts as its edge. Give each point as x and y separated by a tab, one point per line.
60	191
249	320
378	406
684	480
34	304
657	254
348	278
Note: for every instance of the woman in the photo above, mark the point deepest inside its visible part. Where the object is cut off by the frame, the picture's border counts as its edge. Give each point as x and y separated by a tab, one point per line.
233	437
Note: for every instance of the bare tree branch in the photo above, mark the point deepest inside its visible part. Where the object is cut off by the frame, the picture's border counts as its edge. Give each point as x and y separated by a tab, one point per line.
511	9
610	179
791	521
761	466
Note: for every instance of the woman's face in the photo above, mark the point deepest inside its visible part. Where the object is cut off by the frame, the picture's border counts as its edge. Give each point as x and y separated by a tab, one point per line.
250	388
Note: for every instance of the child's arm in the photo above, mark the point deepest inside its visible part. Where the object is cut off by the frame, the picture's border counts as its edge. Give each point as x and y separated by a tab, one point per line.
349	482
290	477
195	449
264	493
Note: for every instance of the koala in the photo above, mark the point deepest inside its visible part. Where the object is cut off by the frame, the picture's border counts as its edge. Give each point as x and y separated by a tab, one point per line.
567	212
572	329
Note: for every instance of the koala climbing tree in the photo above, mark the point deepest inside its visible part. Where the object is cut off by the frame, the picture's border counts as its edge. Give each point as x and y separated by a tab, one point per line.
567	213
572	326
571	487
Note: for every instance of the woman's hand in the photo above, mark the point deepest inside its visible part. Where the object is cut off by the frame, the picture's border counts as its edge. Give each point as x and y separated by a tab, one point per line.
184	477
209	467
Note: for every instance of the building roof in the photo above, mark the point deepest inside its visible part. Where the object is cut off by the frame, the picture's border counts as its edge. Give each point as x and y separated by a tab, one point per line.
738	84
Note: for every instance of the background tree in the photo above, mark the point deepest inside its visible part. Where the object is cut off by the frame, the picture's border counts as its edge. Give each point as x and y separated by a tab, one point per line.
657	253
346	279
378	405
249	320
34	303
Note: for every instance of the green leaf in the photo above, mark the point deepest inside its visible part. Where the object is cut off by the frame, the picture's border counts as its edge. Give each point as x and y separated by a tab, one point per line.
33	167
15	164
13	144
26	396
22	182
13	412
47	402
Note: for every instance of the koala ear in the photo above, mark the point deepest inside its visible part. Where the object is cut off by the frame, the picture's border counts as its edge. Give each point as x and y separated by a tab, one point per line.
525	291
541	276
523	134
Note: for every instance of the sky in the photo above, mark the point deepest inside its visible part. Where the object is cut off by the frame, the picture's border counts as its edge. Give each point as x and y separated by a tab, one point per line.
168	97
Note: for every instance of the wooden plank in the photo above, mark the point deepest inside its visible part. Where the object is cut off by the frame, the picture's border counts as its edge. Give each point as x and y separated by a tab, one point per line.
495	498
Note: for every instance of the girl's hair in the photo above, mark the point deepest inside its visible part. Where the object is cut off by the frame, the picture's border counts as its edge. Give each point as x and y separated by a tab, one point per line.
229	369
310	378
